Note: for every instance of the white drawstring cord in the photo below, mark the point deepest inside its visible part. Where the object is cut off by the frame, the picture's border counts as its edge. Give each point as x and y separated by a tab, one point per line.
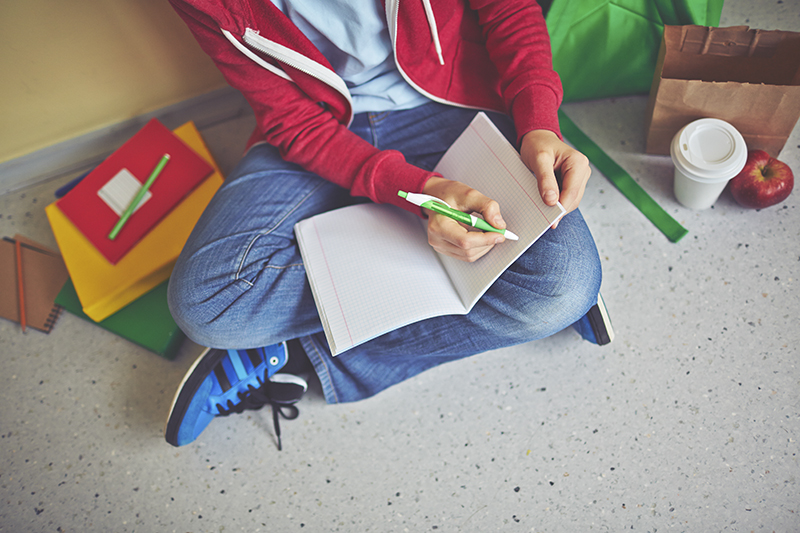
434	31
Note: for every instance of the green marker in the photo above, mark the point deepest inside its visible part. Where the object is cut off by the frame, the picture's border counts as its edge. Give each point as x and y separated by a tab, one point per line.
138	198
440	206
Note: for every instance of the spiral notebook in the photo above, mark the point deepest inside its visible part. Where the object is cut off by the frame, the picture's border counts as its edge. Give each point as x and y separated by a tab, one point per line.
371	269
43	275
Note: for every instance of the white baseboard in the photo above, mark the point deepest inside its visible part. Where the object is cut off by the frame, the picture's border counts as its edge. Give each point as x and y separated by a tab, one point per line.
87	151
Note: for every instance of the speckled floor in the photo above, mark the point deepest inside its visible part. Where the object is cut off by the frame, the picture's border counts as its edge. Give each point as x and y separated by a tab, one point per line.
687	422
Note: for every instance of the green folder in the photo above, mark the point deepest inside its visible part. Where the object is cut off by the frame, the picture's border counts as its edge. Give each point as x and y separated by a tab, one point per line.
145	321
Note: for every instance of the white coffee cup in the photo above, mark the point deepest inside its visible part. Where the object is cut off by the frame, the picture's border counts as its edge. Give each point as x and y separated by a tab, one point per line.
706	153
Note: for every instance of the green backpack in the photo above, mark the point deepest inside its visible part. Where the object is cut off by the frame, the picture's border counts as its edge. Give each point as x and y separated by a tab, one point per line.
605	48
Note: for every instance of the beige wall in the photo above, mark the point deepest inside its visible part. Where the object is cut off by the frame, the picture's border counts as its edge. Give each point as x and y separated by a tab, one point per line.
68	67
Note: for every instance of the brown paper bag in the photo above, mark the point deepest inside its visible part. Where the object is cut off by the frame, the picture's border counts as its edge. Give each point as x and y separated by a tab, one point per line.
749	78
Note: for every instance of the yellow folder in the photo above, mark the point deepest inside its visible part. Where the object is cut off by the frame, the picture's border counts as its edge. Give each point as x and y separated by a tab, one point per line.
104	288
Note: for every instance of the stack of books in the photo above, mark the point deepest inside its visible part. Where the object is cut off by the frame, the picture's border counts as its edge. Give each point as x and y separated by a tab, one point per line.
119	280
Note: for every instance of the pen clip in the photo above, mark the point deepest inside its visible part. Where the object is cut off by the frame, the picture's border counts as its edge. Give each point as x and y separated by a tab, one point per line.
419	199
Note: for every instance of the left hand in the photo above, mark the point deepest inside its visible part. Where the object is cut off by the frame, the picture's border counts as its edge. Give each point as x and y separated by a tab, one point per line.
545	154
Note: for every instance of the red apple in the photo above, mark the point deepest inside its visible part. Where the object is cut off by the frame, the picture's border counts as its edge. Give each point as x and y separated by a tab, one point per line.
764	181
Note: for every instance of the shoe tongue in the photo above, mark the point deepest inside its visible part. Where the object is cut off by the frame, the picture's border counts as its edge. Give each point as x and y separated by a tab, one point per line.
285	388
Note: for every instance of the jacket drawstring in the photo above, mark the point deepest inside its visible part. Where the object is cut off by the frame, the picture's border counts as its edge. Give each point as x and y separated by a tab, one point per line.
434	31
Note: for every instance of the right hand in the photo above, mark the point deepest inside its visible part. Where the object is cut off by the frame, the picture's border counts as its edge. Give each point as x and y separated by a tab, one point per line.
453	239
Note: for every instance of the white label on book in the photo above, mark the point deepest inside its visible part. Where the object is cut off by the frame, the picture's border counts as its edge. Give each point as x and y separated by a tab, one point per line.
119	191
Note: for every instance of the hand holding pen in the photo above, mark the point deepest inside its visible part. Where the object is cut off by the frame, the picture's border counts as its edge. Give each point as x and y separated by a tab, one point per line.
449	237
440	207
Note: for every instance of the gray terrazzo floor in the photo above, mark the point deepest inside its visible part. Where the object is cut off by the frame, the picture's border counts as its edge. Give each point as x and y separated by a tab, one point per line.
688	421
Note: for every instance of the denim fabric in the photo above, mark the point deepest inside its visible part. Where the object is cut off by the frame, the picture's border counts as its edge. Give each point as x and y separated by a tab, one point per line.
240	281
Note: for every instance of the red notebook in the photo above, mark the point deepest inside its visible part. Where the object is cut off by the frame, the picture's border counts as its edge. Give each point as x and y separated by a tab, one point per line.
95	204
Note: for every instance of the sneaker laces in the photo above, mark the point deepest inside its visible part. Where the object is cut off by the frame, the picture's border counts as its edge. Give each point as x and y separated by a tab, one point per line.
254	398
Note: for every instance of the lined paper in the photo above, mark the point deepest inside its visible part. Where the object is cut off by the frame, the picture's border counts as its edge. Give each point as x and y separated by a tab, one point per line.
370	266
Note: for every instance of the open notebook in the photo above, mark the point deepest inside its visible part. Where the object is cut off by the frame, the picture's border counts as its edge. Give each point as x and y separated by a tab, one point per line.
371	269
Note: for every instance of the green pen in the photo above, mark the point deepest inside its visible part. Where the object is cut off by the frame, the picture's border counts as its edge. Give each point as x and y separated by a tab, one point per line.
138	198
441	207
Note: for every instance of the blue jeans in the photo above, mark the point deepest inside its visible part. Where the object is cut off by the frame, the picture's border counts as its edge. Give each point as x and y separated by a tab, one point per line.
240	281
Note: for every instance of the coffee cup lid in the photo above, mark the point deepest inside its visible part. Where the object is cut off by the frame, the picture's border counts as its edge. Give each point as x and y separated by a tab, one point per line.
709	149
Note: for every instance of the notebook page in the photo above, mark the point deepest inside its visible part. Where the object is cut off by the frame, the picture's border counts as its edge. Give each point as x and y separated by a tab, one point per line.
371	271
483	159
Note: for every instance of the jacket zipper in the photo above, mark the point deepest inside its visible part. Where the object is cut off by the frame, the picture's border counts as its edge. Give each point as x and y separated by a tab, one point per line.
297	61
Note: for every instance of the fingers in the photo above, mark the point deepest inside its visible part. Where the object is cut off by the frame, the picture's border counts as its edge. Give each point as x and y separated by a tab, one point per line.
490	210
542	167
545	155
575	175
542	163
575	172
452	239
464	198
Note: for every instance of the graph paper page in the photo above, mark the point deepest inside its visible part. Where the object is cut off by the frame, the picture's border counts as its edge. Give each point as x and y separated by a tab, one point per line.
483	159
371	271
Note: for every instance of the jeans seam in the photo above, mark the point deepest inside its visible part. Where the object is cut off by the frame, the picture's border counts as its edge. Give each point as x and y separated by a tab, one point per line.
273	228
375	120
292	265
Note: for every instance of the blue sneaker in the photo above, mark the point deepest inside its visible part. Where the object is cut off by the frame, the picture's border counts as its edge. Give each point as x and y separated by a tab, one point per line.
595	326
222	382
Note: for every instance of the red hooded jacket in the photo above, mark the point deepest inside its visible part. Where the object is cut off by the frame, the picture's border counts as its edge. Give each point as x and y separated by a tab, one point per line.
483	54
